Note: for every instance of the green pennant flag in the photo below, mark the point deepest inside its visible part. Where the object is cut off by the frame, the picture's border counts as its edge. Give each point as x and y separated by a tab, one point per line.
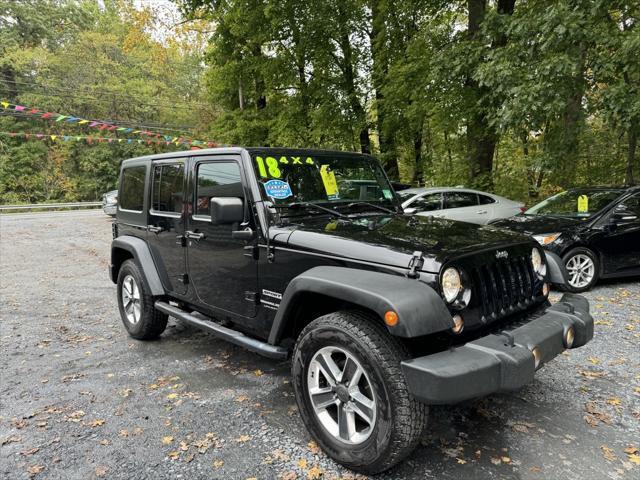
60	118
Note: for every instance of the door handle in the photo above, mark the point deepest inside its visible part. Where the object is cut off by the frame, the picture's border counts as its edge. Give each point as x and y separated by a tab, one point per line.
481	212
194	235
154	229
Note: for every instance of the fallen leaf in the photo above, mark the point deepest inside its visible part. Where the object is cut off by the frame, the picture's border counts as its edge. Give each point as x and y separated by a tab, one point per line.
96	423
171	396
594	360
184	446
31	451
11	439
631	449
218	463
101	471
313	447
505	459
35	469
243	438
461	461
125	392
124	433
241	398
634	458
591	374
302	463
314	473
614	401
189	457
290	475
173	455
258	373
105	442
608	453
496	460
167	440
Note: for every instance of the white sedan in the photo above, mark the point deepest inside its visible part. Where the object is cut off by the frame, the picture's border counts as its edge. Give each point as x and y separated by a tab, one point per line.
458	204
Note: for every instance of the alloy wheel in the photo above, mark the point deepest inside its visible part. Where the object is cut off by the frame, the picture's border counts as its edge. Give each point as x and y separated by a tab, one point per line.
341	395
581	270
131	299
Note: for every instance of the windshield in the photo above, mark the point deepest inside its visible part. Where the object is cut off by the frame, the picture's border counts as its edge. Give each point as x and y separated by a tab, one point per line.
287	179
574	203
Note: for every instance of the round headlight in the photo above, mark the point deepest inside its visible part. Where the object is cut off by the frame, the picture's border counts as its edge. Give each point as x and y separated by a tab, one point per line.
536	261
451	284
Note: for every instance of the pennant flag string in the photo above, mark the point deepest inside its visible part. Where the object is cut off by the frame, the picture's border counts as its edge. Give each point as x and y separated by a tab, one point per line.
100	125
92	140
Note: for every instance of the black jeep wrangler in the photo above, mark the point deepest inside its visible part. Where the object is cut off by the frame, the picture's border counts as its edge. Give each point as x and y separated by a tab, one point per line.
308	253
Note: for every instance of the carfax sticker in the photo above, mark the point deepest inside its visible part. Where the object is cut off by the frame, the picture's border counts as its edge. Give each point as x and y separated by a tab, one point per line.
277	189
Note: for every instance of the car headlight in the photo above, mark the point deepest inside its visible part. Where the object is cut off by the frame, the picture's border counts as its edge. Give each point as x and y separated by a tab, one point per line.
546	238
451	284
538	265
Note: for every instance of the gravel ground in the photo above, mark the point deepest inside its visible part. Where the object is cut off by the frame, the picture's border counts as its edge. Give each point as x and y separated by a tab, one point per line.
80	399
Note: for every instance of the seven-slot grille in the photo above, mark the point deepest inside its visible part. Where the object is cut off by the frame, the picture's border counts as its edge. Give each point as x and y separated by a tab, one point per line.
504	286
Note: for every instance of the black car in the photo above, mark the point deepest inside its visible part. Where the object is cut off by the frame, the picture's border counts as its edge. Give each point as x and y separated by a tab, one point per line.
595	230
307	254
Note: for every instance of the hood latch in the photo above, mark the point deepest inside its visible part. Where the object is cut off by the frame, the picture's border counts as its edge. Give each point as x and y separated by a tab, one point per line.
415	265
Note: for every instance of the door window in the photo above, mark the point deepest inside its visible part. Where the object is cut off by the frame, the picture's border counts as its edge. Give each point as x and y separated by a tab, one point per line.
217	179
460	199
631	204
132	188
168	187
427	203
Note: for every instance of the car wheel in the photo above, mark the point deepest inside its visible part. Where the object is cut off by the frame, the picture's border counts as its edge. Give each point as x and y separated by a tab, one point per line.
352	394
136	305
583	268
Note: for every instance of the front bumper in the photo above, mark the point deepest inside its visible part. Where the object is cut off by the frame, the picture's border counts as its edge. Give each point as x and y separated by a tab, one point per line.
500	361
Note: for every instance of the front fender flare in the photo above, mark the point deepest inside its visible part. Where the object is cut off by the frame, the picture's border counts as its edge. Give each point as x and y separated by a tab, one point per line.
420	309
142	256
556	271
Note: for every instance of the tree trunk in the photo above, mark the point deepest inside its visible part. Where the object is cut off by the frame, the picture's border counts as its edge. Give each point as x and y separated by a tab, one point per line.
631	155
379	70
481	137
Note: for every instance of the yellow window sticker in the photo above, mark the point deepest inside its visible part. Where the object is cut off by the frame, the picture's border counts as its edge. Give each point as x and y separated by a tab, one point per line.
329	181
583	204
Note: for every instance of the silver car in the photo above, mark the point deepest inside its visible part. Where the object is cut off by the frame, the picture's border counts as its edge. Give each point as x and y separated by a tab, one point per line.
110	202
458	204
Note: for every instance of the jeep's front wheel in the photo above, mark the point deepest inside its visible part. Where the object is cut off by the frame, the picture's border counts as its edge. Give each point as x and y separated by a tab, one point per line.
136	305
351	392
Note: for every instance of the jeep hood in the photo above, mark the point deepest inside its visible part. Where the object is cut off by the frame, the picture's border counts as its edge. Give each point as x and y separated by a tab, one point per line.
392	240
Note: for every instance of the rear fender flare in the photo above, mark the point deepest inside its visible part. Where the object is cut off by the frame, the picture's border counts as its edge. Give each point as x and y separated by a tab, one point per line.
139	249
420	309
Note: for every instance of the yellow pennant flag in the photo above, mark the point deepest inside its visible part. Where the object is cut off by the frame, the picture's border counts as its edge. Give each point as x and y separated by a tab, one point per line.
5	104
82	122
53	137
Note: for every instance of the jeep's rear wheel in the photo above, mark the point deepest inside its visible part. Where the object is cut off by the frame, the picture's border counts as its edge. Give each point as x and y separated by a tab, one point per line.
136	305
351	392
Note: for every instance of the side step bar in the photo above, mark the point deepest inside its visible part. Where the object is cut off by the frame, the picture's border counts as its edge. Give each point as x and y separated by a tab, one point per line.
233	336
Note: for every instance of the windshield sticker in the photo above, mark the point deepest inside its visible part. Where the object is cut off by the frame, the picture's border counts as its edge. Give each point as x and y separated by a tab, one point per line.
329	181
269	167
277	189
583	204
387	193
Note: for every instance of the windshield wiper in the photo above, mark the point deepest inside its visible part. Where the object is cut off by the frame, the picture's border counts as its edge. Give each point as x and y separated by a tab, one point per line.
308	205
373	205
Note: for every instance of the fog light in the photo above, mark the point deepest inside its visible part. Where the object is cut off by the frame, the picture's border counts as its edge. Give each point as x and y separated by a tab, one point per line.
537	356
569	337
545	289
391	318
458	324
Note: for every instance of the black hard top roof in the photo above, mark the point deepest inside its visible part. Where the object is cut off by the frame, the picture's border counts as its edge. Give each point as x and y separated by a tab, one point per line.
236	150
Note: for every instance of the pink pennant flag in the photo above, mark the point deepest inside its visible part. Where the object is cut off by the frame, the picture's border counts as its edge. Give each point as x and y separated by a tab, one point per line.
19	108
47	115
112	127
33	111
39	135
93	124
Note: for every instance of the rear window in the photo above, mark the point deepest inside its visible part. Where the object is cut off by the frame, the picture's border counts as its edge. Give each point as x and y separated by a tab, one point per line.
460	199
132	188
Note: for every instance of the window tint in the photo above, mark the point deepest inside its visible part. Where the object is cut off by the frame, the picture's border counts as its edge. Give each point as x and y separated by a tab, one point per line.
485	200
132	188
427	203
167	190
460	199
217	179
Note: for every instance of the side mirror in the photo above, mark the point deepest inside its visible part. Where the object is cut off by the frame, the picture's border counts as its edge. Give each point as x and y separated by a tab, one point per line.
410	211
226	210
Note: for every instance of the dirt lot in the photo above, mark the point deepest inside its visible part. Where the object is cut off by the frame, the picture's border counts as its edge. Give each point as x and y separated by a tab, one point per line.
80	399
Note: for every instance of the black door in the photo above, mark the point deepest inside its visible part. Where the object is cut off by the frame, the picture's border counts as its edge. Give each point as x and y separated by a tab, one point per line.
223	273
166	223
620	246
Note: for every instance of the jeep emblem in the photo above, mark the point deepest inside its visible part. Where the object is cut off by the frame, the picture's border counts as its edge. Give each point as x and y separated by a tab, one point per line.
502	254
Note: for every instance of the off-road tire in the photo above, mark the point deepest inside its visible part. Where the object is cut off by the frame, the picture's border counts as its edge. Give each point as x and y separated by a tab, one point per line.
400	418
152	322
594	258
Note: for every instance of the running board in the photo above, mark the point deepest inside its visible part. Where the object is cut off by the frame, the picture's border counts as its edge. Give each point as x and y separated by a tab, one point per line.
233	336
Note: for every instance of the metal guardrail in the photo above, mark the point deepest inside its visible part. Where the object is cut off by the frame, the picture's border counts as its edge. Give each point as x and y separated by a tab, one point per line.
49	206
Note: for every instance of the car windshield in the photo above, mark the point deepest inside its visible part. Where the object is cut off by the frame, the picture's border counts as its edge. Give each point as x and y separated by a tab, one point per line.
575	203
322	179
